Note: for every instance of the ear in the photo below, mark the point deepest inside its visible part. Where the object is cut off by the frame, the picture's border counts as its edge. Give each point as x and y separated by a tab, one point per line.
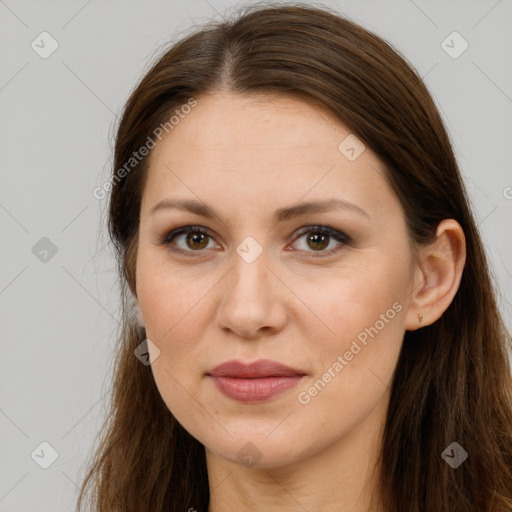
437	274
134	312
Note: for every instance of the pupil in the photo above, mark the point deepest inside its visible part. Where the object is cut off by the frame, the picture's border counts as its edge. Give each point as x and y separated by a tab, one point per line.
194	237
316	237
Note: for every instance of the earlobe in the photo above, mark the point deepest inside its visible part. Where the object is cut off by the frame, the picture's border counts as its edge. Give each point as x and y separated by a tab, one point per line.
438	275
134	312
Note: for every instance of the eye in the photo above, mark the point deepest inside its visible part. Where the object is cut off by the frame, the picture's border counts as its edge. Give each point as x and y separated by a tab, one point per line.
196	239
319	237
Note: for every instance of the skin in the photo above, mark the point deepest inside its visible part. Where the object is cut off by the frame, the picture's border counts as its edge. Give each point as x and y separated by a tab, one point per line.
246	156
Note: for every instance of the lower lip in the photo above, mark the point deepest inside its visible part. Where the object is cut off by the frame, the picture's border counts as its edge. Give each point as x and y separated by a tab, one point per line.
254	390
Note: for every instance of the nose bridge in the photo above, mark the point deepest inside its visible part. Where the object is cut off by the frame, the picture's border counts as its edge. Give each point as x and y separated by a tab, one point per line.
250	273
249	301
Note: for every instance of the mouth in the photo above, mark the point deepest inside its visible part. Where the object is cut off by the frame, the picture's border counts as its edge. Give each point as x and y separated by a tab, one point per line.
254	382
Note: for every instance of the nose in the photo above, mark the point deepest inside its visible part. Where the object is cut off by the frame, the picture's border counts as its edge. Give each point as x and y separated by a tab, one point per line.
253	299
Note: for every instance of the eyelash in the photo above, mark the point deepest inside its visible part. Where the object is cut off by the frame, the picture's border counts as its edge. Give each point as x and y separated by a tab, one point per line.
339	236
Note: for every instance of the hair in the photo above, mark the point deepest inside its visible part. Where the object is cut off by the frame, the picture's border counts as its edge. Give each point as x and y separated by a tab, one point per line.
453	378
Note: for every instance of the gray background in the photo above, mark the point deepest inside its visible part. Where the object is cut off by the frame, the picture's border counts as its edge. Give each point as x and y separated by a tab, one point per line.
57	121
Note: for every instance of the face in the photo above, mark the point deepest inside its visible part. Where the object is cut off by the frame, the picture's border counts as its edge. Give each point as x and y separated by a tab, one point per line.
323	291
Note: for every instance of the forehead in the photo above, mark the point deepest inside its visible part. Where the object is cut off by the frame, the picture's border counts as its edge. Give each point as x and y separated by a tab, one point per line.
257	149
244	123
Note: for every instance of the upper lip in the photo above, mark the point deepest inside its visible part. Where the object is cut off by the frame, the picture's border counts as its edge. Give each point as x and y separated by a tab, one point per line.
256	369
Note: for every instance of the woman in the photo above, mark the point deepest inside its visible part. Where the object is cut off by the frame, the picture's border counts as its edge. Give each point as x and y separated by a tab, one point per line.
315	326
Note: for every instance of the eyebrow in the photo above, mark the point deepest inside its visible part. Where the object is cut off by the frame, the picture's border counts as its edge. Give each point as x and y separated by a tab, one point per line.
282	214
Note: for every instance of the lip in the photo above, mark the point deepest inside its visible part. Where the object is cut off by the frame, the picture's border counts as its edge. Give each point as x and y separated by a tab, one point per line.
254	382
256	369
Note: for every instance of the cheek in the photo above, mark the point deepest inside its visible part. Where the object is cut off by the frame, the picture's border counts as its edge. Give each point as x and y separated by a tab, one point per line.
177	309
346	301
353	367
360	314
173	310
168	298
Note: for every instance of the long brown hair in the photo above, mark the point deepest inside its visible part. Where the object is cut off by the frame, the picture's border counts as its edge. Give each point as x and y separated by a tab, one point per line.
453	378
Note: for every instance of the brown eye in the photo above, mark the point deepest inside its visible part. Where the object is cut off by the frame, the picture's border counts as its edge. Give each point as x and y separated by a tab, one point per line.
318	238
196	240
318	241
193	239
187	240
